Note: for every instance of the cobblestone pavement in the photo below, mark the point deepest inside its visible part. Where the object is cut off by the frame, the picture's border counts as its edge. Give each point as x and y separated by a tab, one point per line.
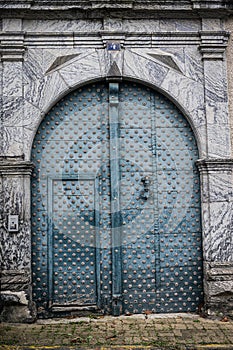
184	332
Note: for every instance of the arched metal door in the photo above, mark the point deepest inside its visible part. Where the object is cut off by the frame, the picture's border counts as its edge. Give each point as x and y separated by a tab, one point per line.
116	204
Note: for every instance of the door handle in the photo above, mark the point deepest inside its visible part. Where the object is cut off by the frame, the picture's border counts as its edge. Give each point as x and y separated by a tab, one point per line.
145	192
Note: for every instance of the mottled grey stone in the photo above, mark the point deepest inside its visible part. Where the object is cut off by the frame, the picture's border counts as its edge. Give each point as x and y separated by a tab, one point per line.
167	60
222	271
219	288
60	61
86	67
12	79
61	25
114	70
9	298
15	280
12	24
16	313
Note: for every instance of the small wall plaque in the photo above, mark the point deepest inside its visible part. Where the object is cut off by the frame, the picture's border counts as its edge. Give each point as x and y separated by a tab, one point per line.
13	223
113	46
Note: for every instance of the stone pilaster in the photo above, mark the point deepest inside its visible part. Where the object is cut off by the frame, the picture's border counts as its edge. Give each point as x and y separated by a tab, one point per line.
212	47
216	173
217	200
12	52
16	245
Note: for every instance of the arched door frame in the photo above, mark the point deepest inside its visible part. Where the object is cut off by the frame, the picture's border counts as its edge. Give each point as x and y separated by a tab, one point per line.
110	96
215	164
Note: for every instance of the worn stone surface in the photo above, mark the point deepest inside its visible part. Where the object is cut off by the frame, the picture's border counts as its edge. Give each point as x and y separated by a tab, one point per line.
229	54
9	297
138	332
15	313
15	280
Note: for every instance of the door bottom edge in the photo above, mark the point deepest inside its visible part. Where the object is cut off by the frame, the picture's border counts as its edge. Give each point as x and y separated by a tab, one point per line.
70	308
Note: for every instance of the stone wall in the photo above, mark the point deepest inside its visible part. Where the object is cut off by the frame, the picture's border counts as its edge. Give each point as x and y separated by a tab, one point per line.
179	51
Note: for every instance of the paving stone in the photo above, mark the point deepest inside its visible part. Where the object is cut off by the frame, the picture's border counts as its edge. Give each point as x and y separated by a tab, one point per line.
171	333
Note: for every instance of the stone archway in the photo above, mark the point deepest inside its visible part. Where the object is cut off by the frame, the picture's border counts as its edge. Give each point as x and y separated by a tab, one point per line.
116	222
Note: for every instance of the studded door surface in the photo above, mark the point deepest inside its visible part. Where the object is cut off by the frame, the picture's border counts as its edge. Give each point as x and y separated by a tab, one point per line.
115	204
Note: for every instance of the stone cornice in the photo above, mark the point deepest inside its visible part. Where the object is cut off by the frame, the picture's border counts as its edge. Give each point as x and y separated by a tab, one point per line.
12	47
15	167
73	8
13	44
96	4
213	44
215	165
210	4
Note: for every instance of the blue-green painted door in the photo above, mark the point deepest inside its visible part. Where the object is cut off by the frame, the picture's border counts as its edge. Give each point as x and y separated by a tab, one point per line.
116	204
